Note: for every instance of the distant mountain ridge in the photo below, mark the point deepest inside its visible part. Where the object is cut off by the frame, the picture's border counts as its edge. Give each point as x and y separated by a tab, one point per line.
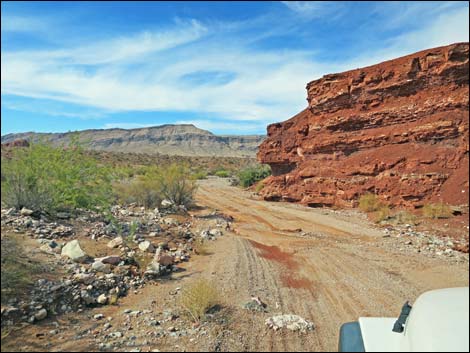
183	140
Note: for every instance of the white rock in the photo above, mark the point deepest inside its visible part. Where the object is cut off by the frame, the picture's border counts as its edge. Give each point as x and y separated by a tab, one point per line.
73	251
26	212
166	203
146	246
102	299
291	322
41	314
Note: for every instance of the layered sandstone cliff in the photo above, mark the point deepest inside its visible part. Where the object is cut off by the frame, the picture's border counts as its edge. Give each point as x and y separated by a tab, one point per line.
398	129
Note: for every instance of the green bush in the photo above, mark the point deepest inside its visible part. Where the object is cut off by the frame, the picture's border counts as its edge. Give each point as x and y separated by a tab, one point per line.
49	179
369	203
251	175
222	173
437	210
199	175
149	189
142	189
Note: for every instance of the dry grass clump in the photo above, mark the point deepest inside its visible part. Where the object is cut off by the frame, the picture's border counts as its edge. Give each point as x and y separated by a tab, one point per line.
369	203
198	298
382	214
200	247
17	270
437	210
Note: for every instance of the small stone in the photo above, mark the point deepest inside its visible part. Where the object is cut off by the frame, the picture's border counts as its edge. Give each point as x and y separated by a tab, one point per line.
98	266
26	212
98	316
40	315
115	242
102	299
146	246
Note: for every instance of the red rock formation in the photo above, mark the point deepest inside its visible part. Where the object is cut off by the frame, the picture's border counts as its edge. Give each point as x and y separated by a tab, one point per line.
398	129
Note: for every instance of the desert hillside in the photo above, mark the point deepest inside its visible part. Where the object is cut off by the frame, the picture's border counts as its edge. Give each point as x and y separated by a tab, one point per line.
183	140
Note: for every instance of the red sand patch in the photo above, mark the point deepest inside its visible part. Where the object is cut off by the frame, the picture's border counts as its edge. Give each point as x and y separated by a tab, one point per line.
289	279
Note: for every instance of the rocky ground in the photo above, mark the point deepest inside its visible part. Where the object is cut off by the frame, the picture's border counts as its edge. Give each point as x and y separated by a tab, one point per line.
287	275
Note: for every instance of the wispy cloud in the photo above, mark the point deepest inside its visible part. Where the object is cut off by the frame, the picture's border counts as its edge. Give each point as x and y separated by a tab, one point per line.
13	23
211	68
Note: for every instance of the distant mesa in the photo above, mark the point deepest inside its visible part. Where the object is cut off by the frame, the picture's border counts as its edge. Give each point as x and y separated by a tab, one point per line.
398	129
183	140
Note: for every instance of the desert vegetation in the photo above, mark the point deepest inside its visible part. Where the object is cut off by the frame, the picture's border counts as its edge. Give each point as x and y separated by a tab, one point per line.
198	298
437	210
251	175
48	179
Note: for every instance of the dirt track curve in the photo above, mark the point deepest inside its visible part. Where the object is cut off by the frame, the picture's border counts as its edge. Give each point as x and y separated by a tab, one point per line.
339	272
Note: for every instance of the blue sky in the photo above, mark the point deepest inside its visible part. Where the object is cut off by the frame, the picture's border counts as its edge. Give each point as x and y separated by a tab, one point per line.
228	67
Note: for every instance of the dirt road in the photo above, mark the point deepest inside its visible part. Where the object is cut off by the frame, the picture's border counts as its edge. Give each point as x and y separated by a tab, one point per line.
328	267
339	272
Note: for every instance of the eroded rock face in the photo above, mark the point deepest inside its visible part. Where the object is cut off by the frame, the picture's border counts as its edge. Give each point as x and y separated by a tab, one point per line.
398	129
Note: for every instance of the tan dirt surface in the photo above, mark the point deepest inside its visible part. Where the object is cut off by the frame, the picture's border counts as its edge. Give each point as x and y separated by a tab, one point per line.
341	271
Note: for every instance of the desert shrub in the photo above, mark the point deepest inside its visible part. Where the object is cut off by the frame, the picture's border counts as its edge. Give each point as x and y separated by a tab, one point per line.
199	175
382	214
144	190
176	185
437	210
16	270
149	189
198	298
369	203
222	173
249	176
48	179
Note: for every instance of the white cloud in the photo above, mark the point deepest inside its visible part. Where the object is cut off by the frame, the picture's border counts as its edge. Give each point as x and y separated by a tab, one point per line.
146	71
311	9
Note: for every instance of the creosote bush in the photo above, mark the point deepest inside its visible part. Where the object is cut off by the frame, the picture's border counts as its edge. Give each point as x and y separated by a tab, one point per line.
198	298
50	179
437	210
